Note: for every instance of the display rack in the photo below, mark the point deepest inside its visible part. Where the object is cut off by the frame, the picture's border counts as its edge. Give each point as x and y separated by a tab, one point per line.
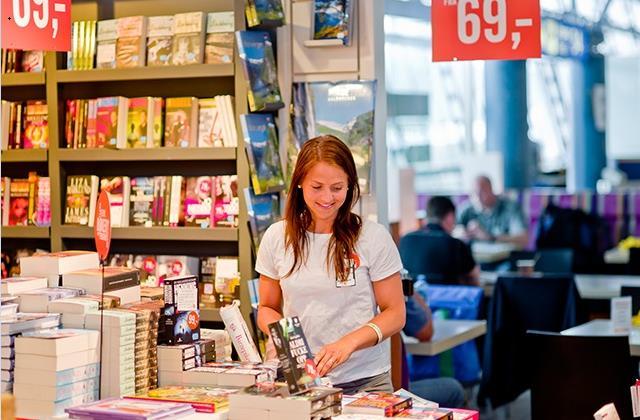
57	84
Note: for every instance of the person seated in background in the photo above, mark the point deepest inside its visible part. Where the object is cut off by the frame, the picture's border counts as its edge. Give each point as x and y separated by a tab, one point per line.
492	218
447	392
432	250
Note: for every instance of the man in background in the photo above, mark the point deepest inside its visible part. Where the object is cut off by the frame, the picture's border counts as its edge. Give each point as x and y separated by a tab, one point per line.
492	218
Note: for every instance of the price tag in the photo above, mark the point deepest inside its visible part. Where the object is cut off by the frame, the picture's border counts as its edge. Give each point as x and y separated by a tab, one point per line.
102	226
485	29
36	24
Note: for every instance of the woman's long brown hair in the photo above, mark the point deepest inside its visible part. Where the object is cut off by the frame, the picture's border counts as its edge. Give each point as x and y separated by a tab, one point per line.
346	227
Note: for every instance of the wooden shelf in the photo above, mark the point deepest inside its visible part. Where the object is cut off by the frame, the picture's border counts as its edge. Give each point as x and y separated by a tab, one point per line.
156	233
210	314
25	232
161	153
23	79
146	73
24	155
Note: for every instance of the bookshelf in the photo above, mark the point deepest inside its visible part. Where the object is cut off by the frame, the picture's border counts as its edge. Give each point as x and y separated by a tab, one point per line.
201	80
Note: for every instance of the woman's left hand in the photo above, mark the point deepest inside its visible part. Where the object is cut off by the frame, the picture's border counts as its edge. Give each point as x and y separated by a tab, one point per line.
333	355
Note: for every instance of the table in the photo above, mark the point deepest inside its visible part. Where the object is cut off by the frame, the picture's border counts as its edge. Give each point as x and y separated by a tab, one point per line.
604	327
448	333
491	252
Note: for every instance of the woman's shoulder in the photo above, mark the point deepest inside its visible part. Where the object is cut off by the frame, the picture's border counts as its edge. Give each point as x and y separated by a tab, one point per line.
371	229
276	229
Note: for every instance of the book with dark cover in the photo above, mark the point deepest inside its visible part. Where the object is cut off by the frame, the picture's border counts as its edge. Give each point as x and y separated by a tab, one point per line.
263	210
264	13
256	52
115	278
182	316
141	202
261	143
293	352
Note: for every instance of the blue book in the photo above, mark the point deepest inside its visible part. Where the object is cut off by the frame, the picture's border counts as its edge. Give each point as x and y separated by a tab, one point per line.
259	64
265	13
261	143
333	19
263	210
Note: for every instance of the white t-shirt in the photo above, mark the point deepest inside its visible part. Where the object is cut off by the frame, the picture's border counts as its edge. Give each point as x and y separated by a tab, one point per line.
328	312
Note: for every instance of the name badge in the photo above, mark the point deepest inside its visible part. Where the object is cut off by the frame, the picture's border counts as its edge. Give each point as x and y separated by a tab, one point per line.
350	279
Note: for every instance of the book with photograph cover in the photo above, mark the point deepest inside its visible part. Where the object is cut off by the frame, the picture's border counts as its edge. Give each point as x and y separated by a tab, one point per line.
256	53
130	409
159	40
18	202
261	141
131	42
209	123
226	205
333	19
264	13
198	201
181	122
81	195
263	210
188	38
36	129
138	128
345	110
378	403
219	41
111	122
141	202
32	61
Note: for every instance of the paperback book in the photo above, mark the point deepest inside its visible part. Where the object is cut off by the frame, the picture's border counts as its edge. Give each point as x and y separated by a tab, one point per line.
106	44
203	399
117	189
198	202
181	122
263	210
159	40
333	19
130	409
81	196
141	202
36	129
188	38
379	403
181	313
219	40
210	131
131	41
264	13
226	204
261	143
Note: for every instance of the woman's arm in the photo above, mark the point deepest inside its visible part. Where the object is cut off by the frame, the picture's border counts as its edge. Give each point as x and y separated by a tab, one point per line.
270	304
390	320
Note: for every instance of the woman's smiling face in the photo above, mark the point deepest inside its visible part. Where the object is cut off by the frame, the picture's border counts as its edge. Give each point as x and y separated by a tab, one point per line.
324	189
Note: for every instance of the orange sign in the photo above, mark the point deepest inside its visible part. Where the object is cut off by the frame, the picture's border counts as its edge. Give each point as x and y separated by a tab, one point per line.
102	226
485	29
36	24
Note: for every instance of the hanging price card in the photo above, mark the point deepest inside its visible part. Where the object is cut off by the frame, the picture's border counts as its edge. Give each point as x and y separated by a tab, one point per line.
485	29
36	24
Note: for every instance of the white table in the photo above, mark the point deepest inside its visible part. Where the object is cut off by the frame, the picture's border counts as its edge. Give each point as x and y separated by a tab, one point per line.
604	327
448	333
491	252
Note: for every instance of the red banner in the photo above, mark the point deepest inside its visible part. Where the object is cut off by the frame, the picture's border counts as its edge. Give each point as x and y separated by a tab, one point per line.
102	226
36	24
485	29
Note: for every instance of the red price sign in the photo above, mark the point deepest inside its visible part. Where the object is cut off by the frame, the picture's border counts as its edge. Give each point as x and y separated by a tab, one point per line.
36	24
485	29
102	226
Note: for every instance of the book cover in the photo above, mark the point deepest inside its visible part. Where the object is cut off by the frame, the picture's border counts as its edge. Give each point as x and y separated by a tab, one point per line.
111	122
256	52
159	187
32	61
263	210
188	39
203	399
138	129
176	210
226	207
159	40
181	313
19	202
36	129
265	13
130	409
131	41
331	19
426	413
107	33
180	122
208	295
43	202
220	38
115	278
92	115
33	195
117	189
345	110
141	202
294	354
209	124
261	142
175	266
379	403
28	321
157	121
80	197
198	202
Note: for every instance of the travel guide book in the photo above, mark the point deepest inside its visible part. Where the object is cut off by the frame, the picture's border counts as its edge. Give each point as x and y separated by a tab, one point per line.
333	19
264	13
263	210
261	142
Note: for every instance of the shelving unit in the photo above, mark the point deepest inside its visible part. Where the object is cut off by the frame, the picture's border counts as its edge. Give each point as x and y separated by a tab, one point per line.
201	80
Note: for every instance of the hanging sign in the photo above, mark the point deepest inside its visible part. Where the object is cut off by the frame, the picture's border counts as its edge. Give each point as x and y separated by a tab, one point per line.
102	226
36	25
485	29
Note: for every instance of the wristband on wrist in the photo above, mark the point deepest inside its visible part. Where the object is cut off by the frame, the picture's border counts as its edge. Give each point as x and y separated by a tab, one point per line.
377	330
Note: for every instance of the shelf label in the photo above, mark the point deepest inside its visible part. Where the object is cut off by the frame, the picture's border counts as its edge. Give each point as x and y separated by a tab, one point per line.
485	29
102	226
36	24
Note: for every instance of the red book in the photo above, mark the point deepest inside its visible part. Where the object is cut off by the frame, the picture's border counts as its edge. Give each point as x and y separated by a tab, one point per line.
378	403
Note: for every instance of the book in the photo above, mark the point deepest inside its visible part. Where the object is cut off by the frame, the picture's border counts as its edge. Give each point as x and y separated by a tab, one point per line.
76	305
209	124
294	354
7	310
56	393
36	409
226	206
18	202
16	285
56	342
22	322
32	61
426	413
111	122
37	301
56	263
188	38
130	409
176	210
203	399
131	42
261	142
239	333
181	120
117	189
115	278
141	202
198	202
256	53
181	310
81	197
43	202
220	38
159	40
333	19
279	403
378	403
262	210
158	123
36	129
106	44
264	13
140	123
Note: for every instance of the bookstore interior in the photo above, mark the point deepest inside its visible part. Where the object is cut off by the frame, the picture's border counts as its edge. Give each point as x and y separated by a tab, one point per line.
314	209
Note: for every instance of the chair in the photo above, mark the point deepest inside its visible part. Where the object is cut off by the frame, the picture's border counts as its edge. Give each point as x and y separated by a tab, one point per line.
634	292
520	304
555	260
573	376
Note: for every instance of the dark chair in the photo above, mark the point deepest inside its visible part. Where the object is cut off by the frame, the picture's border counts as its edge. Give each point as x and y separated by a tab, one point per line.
519	304
634	261
634	292
573	376
515	256
555	260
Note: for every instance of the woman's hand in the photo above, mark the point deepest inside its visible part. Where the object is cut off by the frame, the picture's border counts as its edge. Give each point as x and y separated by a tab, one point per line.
333	355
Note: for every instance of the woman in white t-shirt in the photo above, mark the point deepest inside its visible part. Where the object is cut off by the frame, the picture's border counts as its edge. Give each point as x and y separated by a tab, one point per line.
337	273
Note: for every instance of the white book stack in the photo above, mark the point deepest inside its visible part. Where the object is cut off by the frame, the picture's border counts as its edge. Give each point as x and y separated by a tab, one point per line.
16	285
55	369
222	339
174	360
118	350
12	327
237	374
73	310
57	263
38	300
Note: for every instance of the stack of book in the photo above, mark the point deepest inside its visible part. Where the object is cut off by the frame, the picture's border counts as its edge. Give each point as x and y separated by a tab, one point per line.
204	399
262	401
121	282
239	374
73	310
26	201
15	61
25	125
181	313
174	360
38	300
83	44
55	370
55	264
154	269
222	341
16	285
118	350
130	409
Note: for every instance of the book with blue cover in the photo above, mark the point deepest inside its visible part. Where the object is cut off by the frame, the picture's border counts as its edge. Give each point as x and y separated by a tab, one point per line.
333	19
263	210
261	143
256	53
264	13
